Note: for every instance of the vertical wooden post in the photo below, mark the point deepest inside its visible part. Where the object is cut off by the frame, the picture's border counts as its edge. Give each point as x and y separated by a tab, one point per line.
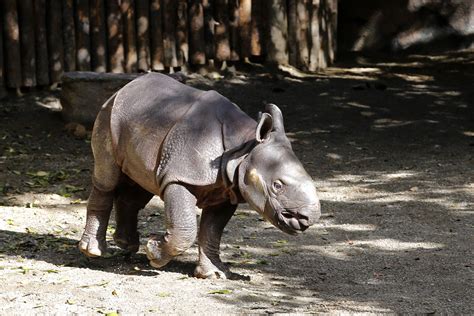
115	37
143	39
196	34
222	30
83	35
98	36
323	33
12	43
209	27
129	35
69	35
257	44
182	33
27	36
156	36
3	91
277	45
42	64
234	30
169	32
292	33
55	40
245	15
302	33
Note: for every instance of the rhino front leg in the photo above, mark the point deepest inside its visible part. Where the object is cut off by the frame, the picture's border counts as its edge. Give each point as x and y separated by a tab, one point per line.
180	212
213	221
93	243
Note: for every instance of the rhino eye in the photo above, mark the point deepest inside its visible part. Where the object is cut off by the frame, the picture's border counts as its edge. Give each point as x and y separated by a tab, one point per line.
277	185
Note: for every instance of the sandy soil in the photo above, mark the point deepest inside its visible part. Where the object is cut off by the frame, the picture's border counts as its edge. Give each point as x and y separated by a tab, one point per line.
389	144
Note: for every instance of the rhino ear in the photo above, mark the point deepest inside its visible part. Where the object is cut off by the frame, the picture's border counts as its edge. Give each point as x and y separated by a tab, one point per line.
277	116
264	127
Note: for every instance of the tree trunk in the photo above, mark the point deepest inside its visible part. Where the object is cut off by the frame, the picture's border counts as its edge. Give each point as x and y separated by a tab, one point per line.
115	37
12	44
55	40
182	33
196	35
143	39
277	44
245	15
69	35
156	36
27	36
169	32
98	36
222	30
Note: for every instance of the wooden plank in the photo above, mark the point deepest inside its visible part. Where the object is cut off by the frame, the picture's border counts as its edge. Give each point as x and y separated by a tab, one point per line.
169	33
143	39
257	47
222	30
277	45
234	15
209	24
182	53
115	46
245	17
129	35
83	55
27	40
98	36
196	33
156	36
69	35
42	60
55	40
12	44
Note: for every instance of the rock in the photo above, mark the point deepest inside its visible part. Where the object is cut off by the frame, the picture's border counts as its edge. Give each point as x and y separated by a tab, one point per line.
83	93
78	130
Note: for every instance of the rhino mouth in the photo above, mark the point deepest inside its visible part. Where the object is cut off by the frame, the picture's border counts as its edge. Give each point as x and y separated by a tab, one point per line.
287	220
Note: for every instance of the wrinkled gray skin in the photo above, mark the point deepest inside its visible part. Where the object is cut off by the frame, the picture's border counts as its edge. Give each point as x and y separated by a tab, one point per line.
157	136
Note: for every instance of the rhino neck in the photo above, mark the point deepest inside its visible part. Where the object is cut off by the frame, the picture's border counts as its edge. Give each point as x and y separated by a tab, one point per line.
232	163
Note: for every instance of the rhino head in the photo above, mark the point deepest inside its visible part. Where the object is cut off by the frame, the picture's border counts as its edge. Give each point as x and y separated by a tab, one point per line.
272	179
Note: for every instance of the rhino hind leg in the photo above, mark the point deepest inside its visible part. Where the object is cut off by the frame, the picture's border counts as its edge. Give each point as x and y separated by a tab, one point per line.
213	221
93	243
181	224
129	199
106	177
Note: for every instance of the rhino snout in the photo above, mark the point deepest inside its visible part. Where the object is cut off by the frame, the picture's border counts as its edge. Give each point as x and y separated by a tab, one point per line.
302	218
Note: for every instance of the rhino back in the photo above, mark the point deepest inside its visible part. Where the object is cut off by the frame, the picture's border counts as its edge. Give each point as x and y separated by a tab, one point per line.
143	113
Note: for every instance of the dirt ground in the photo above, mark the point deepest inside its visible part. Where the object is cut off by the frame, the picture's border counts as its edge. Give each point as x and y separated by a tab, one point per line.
389	144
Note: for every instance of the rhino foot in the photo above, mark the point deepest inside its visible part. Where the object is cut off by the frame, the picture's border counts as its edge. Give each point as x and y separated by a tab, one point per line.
126	242
91	246
154	252
210	271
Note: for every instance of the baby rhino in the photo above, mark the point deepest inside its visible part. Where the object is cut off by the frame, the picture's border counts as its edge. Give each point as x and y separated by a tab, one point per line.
156	136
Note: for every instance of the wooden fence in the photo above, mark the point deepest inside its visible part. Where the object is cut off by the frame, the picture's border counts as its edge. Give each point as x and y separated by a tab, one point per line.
41	39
